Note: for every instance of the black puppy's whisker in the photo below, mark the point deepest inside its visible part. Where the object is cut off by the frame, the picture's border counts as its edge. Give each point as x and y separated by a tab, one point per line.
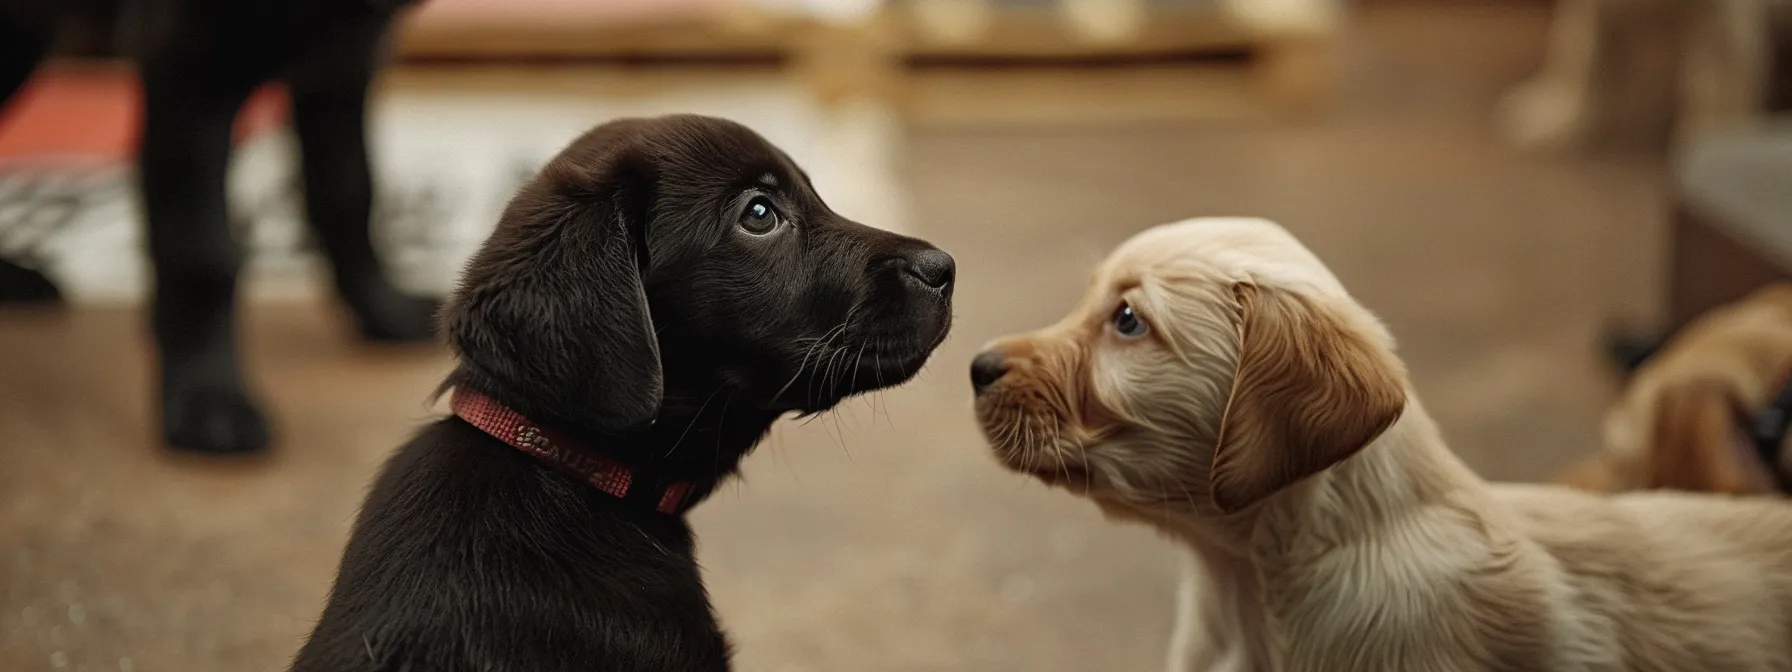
857	362
827	371
840	438
820	383
840	433
693	423
831	376
814	343
721	421
809	418
877	358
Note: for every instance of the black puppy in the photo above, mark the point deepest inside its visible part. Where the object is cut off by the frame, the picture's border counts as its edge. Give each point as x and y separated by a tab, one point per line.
648	305
199	60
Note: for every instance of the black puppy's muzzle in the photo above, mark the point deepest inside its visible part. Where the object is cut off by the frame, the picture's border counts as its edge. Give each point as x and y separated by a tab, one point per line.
918	312
901	310
908	306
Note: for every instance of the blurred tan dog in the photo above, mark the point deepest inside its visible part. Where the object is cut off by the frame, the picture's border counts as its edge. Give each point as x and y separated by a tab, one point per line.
1218	383
1686	419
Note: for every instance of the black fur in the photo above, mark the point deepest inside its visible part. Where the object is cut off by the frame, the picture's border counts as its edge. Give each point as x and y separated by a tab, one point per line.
199	61
626	300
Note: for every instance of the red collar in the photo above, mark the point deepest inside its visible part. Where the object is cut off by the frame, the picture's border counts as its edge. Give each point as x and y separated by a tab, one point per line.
511	427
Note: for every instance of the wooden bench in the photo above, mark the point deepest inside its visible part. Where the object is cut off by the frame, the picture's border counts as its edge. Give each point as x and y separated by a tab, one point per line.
987	60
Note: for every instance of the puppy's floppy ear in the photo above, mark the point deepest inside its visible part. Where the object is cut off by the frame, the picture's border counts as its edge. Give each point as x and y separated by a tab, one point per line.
551	315
1310	391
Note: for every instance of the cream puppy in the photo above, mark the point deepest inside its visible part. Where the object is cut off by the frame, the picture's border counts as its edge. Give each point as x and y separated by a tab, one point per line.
1218	382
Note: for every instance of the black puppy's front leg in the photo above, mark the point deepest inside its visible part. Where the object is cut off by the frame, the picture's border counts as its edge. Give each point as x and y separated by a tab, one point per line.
329	93
181	166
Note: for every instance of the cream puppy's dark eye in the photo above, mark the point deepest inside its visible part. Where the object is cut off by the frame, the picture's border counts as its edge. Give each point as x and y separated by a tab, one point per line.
1128	324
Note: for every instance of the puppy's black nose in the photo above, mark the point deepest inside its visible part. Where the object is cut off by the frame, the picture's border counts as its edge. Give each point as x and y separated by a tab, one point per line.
986	369
933	268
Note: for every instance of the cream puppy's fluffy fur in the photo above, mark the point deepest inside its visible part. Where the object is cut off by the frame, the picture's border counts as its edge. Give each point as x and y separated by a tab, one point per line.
1258	414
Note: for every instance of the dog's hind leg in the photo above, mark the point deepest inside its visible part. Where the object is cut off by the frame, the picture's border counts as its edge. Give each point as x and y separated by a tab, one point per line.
329	91
181	165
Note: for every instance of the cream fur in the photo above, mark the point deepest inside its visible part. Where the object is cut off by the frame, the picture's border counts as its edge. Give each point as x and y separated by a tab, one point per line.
1394	557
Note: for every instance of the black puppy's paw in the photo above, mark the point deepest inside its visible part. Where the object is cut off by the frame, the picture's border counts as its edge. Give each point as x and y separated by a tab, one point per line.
386	315
212	418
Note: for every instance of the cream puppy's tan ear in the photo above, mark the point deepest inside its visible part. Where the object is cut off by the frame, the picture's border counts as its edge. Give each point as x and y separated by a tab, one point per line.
1311	389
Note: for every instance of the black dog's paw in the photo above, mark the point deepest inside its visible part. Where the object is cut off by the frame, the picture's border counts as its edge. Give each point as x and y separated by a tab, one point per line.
26	286
386	315
212	418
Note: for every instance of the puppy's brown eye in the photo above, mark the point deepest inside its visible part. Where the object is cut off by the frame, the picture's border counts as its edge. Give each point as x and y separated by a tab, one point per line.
760	216
1127	323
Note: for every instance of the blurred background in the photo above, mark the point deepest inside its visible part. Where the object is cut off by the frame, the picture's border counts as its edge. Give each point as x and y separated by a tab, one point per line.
1525	190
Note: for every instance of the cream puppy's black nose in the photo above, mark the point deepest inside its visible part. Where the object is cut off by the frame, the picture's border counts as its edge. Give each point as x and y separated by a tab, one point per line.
986	369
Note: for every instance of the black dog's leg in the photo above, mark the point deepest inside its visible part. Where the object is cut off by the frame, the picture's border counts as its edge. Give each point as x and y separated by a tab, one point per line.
22	46
329	94
181	165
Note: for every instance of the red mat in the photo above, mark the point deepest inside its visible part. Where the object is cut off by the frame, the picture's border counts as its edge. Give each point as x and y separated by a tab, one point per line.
92	113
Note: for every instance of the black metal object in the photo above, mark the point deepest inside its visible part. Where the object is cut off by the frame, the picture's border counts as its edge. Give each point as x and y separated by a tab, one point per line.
1769	433
1628	349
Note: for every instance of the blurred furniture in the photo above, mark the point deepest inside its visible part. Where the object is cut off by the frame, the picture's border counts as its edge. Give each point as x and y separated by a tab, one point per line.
944	60
1641	72
1732	228
1067	60
835	48
550	30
